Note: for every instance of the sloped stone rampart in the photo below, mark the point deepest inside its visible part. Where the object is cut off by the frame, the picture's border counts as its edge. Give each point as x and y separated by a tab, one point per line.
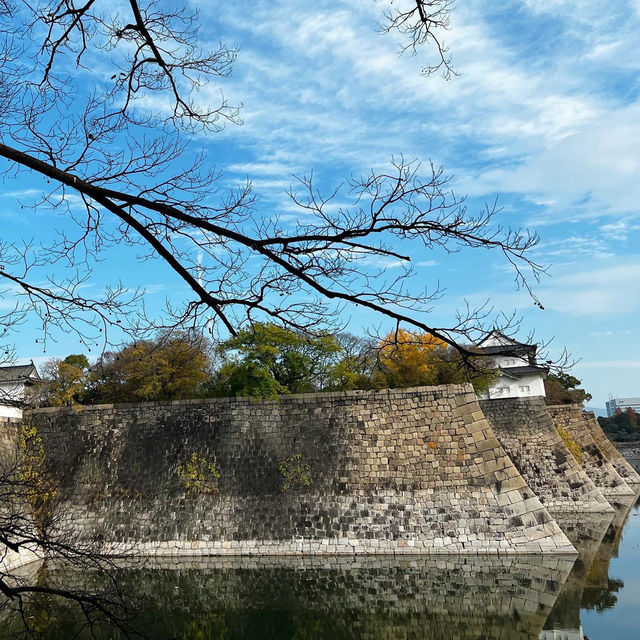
594	461
394	471
626	471
526	430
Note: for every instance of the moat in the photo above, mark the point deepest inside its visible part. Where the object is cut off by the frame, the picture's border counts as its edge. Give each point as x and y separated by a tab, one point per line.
439	598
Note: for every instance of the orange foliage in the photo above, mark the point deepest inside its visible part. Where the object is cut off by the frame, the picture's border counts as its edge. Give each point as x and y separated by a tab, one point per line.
405	357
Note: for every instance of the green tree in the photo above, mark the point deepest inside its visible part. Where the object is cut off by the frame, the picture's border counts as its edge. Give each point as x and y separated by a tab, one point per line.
64	382
357	366
267	360
168	368
622	427
563	388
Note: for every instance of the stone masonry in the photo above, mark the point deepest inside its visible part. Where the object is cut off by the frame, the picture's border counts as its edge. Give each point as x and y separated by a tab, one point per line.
527	432
9	434
594	461
393	471
610	451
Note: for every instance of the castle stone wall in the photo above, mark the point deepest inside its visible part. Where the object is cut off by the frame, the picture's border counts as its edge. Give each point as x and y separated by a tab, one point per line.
594	461
393	471
610	451
9	435
526	430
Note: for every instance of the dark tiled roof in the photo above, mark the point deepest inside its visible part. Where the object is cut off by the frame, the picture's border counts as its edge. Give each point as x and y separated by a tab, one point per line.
507	349
517	372
18	373
498	334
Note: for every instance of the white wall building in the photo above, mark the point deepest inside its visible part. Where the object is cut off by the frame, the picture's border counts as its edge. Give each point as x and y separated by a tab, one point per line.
520	376
14	381
623	404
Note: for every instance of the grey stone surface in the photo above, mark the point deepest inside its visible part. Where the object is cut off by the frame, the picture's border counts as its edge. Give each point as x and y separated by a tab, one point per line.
393	471
9	506
527	432
610	451
594	461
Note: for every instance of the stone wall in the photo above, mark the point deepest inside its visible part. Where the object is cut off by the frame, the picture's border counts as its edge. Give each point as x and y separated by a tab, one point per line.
393	471
619	462
594	461
629	450
586	532
527	432
9	434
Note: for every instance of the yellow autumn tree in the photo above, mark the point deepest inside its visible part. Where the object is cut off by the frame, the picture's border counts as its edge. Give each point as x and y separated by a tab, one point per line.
407	358
416	359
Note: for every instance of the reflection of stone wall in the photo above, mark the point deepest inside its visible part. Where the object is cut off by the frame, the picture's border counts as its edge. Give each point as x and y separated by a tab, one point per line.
404	471
630	475
594	461
525	429
378	598
589	585
586	532
608	549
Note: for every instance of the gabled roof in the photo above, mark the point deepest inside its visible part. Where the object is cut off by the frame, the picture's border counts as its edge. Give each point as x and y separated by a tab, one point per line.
506	340
19	373
508	349
507	346
524	370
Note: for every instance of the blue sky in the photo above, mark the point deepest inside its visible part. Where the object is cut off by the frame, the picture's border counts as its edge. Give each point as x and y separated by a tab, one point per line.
545	115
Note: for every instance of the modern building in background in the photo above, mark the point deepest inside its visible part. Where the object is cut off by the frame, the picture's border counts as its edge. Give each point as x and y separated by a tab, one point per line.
623	404
14	381
520	376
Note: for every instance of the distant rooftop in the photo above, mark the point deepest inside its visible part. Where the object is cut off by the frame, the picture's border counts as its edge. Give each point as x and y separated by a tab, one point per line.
19	373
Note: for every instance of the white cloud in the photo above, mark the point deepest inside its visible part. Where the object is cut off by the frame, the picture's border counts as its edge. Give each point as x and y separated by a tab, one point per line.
21	193
619	230
342	95
609	290
590	173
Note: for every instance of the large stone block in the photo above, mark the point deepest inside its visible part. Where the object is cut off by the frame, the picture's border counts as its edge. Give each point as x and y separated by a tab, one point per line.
393	471
610	451
526	430
594	461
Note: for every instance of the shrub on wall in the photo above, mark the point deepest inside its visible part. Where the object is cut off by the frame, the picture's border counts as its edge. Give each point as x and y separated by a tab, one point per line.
295	473
39	486
571	444
199	476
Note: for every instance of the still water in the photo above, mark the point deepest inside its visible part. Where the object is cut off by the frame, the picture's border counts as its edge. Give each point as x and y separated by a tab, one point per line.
597	597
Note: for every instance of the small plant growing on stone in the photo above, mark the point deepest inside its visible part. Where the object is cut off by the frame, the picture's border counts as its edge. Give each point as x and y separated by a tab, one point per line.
295	473
41	490
571	444
199	476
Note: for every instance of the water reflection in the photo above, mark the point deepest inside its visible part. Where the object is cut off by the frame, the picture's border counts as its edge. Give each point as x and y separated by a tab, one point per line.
374	598
369	598
585	531
588	586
